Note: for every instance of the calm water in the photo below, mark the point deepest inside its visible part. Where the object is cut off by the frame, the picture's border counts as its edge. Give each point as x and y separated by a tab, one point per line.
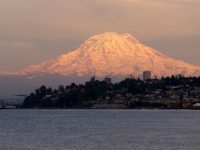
99	130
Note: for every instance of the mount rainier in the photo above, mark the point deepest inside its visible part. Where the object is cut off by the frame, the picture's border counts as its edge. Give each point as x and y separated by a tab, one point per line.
112	54
109	54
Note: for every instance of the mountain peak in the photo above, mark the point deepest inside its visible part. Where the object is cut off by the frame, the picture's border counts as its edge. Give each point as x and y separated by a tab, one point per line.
114	36
109	43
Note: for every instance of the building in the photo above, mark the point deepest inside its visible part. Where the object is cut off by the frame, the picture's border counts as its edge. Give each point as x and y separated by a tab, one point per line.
93	79
146	75
108	80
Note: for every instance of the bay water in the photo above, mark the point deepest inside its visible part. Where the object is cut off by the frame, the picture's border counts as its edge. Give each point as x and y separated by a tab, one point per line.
99	130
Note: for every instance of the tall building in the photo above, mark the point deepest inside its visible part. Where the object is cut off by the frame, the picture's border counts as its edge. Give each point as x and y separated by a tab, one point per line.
146	75
108	80
93	78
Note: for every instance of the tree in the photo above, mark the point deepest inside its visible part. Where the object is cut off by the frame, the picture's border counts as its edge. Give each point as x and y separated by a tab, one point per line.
42	90
61	88
49	91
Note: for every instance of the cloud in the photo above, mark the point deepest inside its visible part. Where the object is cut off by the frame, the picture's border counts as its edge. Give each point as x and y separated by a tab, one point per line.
15	45
47	28
157	1
15	53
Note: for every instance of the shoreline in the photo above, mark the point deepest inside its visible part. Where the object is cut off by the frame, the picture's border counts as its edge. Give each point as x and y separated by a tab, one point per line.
100	108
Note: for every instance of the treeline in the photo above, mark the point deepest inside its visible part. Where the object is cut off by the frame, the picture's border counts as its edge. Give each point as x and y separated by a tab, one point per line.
70	96
86	95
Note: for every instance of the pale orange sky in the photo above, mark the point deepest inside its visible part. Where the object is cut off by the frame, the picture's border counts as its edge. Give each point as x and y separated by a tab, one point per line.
33	31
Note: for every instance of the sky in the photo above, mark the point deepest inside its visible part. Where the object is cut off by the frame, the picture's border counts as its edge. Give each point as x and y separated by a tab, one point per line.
32	31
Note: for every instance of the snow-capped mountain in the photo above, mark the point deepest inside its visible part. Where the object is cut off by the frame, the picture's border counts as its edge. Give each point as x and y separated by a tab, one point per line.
109	54
112	54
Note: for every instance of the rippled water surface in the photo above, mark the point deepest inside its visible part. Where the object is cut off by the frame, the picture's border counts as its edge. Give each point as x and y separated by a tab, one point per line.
99	130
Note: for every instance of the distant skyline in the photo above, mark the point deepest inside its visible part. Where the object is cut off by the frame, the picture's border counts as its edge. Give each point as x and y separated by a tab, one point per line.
34	31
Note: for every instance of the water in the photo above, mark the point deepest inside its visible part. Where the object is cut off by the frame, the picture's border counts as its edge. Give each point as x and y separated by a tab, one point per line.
99	130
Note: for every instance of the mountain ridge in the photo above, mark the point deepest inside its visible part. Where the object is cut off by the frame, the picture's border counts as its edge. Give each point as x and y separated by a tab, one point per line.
111	54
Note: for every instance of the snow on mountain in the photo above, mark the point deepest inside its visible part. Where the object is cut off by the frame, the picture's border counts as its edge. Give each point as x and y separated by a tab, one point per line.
112	54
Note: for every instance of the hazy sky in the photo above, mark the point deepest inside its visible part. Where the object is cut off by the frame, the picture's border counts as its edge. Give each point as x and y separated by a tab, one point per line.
35	30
